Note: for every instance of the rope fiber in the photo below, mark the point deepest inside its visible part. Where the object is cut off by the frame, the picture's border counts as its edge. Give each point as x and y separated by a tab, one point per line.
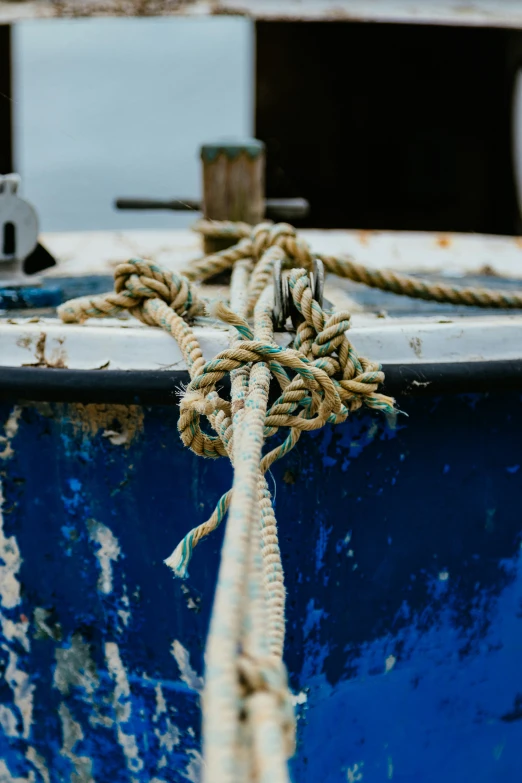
248	721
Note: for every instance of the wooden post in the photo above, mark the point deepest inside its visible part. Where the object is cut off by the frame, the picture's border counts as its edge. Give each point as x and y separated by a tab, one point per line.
6	120
233	184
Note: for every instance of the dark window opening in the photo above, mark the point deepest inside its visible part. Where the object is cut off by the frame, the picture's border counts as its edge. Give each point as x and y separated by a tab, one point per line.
384	126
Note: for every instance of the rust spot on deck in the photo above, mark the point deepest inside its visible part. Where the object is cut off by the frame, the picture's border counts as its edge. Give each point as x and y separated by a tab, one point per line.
444	241
364	237
120	424
54	357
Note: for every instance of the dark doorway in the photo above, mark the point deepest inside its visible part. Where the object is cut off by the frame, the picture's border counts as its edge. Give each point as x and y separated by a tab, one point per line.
388	126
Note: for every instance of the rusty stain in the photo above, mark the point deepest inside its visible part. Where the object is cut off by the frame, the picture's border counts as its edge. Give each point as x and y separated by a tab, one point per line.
57	360
518	242
364	237
443	241
121	424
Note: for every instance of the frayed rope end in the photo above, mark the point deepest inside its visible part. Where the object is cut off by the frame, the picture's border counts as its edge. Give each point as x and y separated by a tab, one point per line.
179	560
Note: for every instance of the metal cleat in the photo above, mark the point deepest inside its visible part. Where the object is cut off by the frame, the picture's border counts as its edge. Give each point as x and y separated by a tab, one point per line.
284	307
18	230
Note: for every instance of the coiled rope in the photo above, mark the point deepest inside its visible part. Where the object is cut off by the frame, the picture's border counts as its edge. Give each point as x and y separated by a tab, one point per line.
248	723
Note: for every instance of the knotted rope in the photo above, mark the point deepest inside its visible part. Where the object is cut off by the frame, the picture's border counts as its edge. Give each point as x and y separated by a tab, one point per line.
248	725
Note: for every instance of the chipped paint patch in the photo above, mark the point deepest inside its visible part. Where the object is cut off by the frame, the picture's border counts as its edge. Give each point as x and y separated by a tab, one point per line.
45	627
188	675
354	774
10	430
15	633
8	721
170	737
299	698
161	704
38	762
20	684
7	777
122	706
75	667
194	770
10	562
72	734
125	614
108	552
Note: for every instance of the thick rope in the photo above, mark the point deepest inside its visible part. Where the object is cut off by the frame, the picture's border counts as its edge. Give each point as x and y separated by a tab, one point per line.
248	719
343	266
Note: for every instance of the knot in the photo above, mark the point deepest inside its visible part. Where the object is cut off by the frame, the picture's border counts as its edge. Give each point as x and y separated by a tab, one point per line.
143	289
245	352
144	280
268	676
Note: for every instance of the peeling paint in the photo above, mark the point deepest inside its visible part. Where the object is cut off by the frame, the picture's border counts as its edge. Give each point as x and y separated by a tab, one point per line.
108	552
355	774
7	777
10	562
161	704
38	763
188	675
8	721
75	667
45	627
72	734
15	633
122	706
170	737
194	769
361	666
10	430
20	684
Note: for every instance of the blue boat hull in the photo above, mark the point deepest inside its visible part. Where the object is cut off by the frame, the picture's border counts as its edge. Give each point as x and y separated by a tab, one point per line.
401	542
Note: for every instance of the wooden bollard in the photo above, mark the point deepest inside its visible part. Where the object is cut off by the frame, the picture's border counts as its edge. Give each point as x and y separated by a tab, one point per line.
233	185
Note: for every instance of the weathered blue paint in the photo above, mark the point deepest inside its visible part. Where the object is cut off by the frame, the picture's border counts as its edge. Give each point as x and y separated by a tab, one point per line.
21	298
401	542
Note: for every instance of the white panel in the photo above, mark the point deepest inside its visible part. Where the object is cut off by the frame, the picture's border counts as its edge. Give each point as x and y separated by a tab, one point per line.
114	346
